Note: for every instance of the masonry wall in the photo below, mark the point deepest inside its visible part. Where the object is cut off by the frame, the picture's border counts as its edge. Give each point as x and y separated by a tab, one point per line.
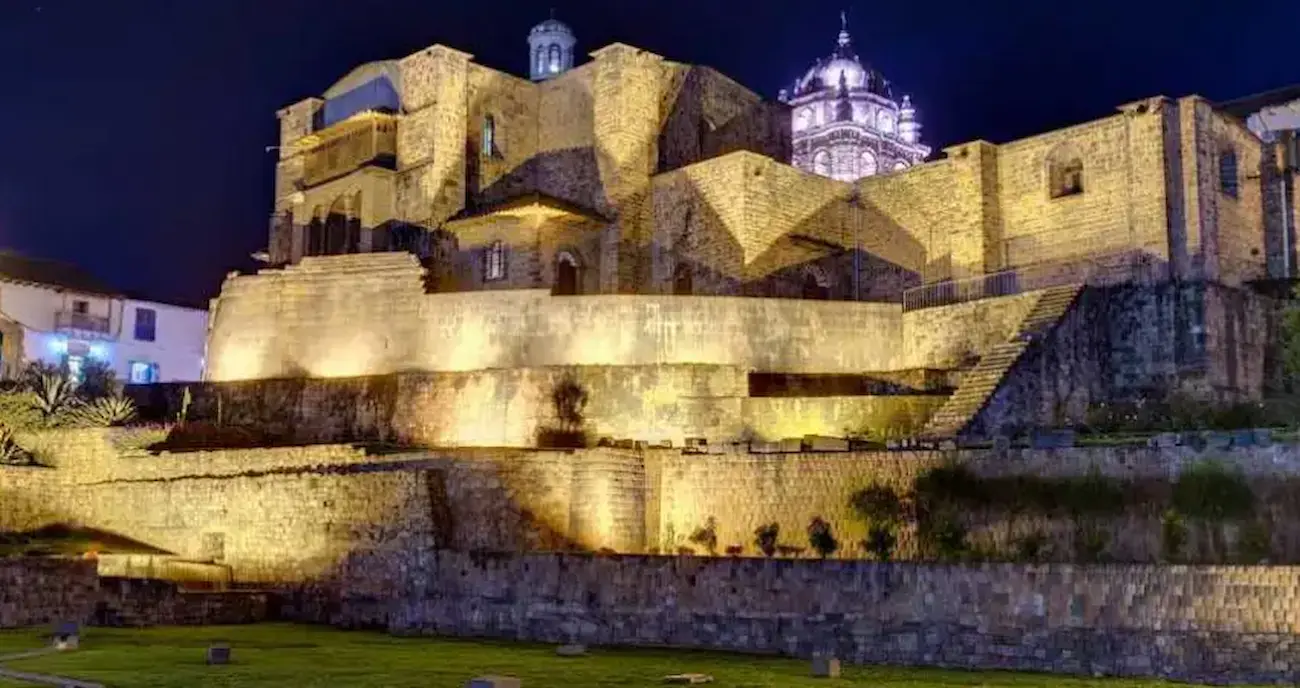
1199	623
368	314
45	591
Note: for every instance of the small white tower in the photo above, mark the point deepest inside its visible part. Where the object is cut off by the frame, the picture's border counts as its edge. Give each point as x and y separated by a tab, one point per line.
908	128
550	49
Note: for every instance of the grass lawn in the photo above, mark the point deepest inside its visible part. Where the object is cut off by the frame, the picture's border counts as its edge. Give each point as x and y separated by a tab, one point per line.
286	655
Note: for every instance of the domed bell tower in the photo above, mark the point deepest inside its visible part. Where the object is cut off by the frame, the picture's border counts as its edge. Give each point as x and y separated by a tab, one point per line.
550	49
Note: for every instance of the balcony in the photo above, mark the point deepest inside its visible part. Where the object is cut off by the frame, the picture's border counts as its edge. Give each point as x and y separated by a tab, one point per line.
369	138
85	324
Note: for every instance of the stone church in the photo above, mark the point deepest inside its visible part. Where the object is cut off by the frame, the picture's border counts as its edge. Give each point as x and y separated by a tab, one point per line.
633	227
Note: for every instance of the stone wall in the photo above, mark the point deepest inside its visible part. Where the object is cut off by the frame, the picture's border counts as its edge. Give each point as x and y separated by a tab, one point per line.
1189	623
303	513
355	315
46	591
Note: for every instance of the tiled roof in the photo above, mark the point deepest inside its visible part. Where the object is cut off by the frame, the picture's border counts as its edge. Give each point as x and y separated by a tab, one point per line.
17	268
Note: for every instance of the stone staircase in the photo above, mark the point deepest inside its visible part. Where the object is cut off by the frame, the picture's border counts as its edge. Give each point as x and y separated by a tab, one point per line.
980	382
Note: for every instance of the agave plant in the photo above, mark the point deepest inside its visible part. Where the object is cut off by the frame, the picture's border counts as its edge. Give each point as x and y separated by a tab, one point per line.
52	395
105	412
10	452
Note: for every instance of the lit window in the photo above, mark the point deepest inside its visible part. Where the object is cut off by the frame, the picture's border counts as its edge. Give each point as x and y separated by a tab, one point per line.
143	373
555	58
1064	173
76	369
867	166
885	121
494	262
822	163
146	324
489	135
1228	173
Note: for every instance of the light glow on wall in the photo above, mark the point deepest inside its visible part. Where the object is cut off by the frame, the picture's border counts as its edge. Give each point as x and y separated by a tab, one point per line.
58	345
99	351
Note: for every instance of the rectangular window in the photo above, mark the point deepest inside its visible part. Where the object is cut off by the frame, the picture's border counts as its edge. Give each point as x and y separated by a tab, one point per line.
143	373
1228	173
146	323
81	307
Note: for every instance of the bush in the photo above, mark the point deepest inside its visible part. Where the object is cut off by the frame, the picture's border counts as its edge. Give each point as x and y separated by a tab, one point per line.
1090	544
877	504
104	412
821	539
1209	491
707	537
1035	546
10	452
945	538
765	538
1173	536
881	541
1256	543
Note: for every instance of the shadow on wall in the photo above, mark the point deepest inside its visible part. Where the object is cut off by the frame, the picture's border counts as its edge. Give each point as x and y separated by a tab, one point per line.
569	404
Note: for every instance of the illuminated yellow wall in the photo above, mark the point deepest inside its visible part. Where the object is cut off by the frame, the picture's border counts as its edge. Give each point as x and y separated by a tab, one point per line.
322	320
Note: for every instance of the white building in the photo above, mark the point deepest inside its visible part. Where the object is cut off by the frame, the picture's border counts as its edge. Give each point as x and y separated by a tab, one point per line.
58	314
846	123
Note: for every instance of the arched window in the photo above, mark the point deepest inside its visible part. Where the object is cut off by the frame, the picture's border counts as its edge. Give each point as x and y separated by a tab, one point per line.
885	121
682	282
336	228
1228	182
541	59
489	136
867	164
822	163
815	285
803	119
555	58
566	274
1064	172
315	239
494	262
900	165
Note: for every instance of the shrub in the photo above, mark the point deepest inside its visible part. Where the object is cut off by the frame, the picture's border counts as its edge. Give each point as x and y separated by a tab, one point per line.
945	537
1090	544
97	381
1208	491
821	539
881	541
1173	536
18	411
53	396
734	550
765	538
10	452
707	537
104	412
1091	494
877	504
1256	543
1034	546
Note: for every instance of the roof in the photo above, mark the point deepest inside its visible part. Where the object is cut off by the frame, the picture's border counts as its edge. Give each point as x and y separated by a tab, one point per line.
49	273
531	203
1248	105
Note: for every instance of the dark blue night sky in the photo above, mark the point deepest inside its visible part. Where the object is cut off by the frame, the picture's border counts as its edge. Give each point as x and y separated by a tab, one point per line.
134	130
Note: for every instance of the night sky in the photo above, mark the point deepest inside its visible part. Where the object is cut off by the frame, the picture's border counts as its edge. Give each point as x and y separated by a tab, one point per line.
134	131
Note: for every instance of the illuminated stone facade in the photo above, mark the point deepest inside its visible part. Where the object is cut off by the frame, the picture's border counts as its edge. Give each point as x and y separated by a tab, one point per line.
635	212
847	124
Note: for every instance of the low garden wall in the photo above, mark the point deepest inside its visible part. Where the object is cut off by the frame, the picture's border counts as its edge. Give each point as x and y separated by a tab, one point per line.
39	591
1210	624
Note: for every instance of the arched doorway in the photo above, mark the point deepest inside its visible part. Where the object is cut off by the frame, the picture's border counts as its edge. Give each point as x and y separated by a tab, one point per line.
566	274
682	282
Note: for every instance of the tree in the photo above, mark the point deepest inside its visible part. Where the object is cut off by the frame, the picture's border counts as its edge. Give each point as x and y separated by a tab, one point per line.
1289	333
765	538
707	537
821	539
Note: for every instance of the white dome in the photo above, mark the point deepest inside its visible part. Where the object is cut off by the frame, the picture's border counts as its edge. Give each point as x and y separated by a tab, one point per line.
551	26
854	75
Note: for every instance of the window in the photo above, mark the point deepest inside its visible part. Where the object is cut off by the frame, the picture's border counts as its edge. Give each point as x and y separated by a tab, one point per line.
494	262
900	165
143	373
867	165
566	275
822	163
885	121
146	324
80	307
682	282
1064	173
555	58
489	136
1228	173
76	368
541	59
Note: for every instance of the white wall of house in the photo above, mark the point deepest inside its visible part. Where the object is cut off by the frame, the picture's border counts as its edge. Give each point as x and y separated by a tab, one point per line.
176	351
57	323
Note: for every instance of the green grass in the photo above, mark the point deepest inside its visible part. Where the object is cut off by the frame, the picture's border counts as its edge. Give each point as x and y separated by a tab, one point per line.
286	655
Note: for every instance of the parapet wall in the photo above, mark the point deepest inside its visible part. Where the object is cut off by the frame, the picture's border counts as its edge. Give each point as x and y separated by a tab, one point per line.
368	314
303	513
1192	623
